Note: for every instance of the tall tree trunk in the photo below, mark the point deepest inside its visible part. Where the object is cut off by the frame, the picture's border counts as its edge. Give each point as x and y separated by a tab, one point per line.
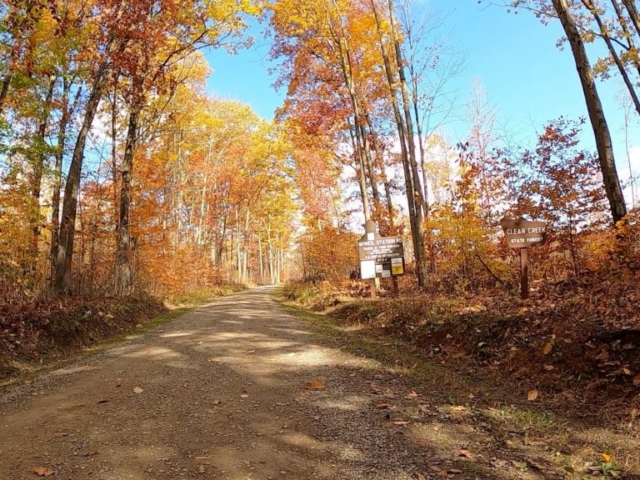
627	35
633	13
123	275
219	241
38	168
67	111
245	245
420	254
62	277
114	148
379	162
260	259
596	113
614	54
395	77
358	136
362	180
371	167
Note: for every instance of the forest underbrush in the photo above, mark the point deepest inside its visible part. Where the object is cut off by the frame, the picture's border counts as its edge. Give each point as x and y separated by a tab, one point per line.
574	344
40	334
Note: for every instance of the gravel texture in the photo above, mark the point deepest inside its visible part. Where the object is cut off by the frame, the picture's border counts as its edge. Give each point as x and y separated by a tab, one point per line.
233	390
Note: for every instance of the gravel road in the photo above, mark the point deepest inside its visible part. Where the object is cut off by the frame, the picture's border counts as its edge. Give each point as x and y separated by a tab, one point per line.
237	389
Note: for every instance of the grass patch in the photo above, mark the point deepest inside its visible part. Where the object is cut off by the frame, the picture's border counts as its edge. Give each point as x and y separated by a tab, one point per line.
393	353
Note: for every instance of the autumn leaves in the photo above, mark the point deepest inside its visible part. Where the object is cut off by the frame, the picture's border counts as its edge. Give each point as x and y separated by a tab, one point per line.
115	163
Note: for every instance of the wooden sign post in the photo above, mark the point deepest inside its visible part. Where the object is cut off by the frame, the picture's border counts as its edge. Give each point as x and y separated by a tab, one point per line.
522	234
370	233
380	257
524	273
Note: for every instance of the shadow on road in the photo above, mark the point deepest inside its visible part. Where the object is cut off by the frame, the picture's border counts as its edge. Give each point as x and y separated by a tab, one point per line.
222	393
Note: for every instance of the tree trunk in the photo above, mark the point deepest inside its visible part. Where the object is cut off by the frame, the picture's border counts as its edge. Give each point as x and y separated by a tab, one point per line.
407	146
38	169
596	114
67	111
633	13
359	140
123	276
260	259
627	35
614	54
379	162
362	180
420	254
64	258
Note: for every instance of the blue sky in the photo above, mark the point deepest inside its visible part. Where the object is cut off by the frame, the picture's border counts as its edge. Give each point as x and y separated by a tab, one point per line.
513	55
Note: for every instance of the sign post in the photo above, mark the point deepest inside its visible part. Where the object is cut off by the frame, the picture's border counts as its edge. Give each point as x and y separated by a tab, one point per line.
522	234
370	228
380	257
524	273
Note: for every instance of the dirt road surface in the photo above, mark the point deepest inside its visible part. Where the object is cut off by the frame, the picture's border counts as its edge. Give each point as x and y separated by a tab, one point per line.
234	390
240	390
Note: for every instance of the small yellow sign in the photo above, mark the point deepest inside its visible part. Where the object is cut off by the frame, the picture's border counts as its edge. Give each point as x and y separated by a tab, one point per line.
397	269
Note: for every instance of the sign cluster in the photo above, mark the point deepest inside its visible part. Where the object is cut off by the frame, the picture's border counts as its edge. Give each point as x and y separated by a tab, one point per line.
381	257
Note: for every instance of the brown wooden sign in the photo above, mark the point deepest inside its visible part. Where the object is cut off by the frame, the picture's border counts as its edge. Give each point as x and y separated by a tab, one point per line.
521	233
380	249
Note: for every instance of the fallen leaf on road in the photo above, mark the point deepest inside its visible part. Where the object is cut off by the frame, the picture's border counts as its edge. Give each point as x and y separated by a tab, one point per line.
315	385
413	394
90	453
103	401
419	476
606	457
389	393
547	348
465	453
60	434
244	395
204	457
43	472
400	423
216	402
532	395
454	470
636	380
383	406
548	368
138	390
